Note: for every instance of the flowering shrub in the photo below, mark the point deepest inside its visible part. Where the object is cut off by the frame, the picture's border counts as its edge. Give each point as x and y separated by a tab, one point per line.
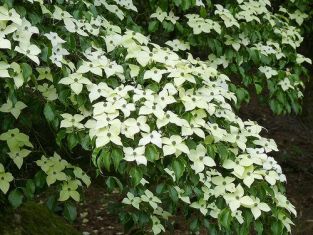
158	124
224	35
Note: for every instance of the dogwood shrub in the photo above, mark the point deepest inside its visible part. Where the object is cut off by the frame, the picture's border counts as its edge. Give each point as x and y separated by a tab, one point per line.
252	42
81	78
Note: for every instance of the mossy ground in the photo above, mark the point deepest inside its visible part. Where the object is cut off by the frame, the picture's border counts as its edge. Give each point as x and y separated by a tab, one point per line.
33	219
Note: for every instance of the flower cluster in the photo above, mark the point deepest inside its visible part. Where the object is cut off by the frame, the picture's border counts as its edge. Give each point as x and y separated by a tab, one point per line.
228	31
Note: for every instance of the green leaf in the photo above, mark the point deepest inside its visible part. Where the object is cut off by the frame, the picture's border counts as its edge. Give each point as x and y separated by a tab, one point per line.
194	225
49	112
136	175
152	153
277	228
30	188
173	194
210	227
168	26
117	155
112	182
60	136
51	202
225	218
153	26
85	142
40	179
27	71
258	226
203	12
163	4
69	212
186	4
16	198
35	19
209	140
9	3
258	88
72	140
104	159
44	54
178	167
177	2
160	188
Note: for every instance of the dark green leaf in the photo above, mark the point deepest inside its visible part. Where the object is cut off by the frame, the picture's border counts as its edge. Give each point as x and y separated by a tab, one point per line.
117	155
136	175
225	218
16	198
152	152
27	71
178	168
69	212
49	112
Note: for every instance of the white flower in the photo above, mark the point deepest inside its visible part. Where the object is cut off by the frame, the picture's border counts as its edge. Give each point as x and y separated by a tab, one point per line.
125	107
71	121
171	17
31	51
181	196
237	199
157	227
268	144
152	107
283	202
49	92
249	175
54	38
14	109
134	126
268	71
5	177
201	205
10	15
239	164
195	127
44	73
107	135
154	137
4	73
18	155
137	154
94	67
223	185
178	45
132	200
17	74
159	14
170	117
258	206
199	159
285	84
98	90
151	199
174	145
154	74
76	82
